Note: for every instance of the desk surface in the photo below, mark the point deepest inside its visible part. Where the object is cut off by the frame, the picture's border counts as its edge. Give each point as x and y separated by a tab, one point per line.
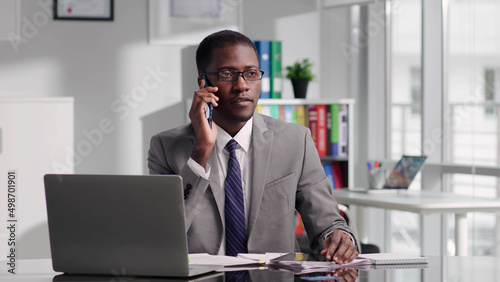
453	268
418	201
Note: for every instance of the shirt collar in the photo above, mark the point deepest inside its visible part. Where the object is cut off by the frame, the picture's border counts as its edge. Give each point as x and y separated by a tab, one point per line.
243	137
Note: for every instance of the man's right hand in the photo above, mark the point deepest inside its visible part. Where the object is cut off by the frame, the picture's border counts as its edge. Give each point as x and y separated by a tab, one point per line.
205	136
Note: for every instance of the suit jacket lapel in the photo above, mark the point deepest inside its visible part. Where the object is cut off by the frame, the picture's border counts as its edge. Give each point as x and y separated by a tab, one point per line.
262	140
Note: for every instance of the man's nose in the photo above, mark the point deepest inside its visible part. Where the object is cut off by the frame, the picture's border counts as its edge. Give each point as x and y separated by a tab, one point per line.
240	83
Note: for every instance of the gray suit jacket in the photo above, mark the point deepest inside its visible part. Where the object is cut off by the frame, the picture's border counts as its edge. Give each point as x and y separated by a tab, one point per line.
287	176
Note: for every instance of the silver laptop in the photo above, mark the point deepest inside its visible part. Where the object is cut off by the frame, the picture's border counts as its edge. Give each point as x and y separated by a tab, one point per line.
401	176
119	225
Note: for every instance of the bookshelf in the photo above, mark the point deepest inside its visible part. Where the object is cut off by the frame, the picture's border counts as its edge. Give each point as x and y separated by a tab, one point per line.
346	162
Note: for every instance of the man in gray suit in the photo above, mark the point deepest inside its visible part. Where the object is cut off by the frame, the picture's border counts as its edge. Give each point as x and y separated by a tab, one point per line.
278	162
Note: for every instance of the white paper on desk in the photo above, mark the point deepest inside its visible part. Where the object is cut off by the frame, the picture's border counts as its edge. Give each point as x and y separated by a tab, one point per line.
241	259
267	257
242	267
302	267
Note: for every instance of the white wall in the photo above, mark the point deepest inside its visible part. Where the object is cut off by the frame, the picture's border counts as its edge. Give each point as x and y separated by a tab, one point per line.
104	65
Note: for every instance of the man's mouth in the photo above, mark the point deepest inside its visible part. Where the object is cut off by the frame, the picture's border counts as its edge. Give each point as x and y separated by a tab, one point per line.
242	100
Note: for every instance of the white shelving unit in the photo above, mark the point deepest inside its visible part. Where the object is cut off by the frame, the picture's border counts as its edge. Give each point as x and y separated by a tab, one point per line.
36	135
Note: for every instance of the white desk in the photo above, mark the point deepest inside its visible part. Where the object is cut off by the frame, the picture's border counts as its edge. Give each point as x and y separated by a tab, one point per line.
424	202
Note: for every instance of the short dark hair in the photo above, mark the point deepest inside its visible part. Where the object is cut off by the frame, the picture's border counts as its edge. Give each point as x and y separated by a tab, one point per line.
220	39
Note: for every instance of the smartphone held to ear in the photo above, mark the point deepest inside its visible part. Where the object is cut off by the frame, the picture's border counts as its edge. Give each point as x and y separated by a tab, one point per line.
208	107
208	113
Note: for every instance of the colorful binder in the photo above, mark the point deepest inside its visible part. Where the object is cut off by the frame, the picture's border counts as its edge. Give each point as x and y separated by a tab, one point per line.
276	68
263	47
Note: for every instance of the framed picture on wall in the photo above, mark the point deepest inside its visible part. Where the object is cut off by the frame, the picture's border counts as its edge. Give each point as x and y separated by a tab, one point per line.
187	22
91	10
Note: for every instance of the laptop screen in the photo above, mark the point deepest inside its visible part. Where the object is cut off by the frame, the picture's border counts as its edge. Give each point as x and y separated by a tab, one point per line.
404	172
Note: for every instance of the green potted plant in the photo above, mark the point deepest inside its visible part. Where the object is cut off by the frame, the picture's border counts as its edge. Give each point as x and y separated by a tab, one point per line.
300	74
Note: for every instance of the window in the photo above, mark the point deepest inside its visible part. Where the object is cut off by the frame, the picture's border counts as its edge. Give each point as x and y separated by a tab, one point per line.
406	97
473	63
470	110
405	82
467	115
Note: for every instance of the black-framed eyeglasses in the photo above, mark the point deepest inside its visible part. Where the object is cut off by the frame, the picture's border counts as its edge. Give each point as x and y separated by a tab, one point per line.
233	75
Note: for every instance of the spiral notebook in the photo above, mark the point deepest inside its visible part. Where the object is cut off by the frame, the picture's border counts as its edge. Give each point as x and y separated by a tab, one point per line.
400	266
378	259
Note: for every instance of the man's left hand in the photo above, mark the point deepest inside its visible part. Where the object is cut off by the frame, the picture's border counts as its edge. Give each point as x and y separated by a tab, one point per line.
339	247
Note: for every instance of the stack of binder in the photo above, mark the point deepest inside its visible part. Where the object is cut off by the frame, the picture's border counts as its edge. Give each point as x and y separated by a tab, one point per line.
270	62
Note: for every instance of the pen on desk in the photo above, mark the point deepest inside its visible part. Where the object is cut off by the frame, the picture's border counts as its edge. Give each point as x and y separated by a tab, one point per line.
377	164
369	165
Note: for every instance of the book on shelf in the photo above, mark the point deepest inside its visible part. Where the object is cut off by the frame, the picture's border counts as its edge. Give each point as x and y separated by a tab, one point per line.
301	115
276	70
263	48
338	176
263	109
313	123
321	128
334	134
282	112
299	225
329	173
258	108
328	130
275	111
343	131
306	116
294	115
288	109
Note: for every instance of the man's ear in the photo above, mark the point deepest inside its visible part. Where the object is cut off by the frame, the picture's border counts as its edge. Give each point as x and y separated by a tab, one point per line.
200	79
